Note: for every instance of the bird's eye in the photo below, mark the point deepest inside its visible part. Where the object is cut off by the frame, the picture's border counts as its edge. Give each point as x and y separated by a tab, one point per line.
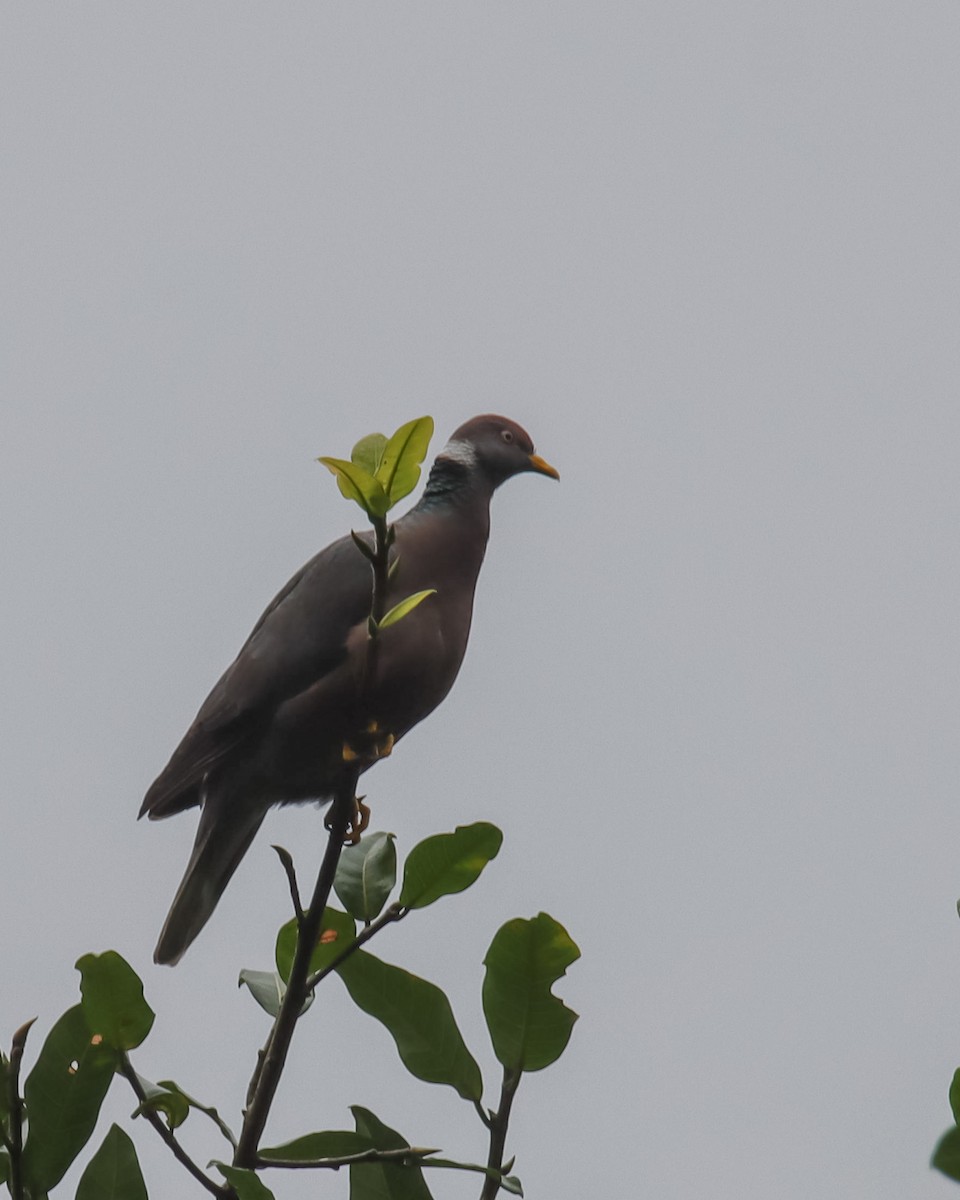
506	435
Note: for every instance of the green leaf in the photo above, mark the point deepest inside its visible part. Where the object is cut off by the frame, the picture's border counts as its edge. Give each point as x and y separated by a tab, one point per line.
338	931
384	1181
4	1166
113	1002
399	611
529	1026
447	863
330	1143
368	452
247	1184
946	1157
399	470
266	987
114	1172
358	485
955	1096
419	1018
63	1094
366	874
163	1098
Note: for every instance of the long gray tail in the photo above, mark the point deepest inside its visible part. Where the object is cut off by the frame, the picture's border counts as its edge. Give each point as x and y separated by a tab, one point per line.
223	838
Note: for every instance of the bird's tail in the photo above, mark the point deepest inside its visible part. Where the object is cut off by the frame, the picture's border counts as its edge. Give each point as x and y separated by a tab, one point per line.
223	837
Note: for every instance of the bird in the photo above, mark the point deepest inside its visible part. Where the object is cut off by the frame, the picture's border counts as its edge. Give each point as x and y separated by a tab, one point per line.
276	727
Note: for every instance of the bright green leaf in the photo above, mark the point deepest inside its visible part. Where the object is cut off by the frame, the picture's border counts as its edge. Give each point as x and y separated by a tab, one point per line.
399	470
357	485
368	452
366	874
113	1002
399	611
114	1172
330	1143
419	1018
63	1093
529	1026
447	863
946	1157
247	1184
338	931
384	1181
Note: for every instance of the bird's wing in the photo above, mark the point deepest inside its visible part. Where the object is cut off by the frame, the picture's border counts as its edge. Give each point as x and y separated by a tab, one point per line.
298	640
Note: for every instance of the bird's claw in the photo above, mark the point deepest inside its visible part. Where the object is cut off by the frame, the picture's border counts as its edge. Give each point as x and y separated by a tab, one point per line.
357	821
369	746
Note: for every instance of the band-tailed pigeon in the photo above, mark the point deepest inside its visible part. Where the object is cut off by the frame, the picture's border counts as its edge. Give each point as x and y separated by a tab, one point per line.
274	729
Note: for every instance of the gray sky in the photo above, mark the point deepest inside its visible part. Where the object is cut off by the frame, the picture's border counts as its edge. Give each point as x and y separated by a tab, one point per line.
708	254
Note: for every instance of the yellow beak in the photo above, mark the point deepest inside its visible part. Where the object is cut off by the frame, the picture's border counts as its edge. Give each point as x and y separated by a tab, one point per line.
542	467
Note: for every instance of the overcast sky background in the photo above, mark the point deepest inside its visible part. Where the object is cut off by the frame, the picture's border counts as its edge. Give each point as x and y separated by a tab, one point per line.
708	255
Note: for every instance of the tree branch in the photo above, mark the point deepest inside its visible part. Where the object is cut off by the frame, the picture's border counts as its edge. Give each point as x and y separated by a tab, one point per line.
498	1132
275	1056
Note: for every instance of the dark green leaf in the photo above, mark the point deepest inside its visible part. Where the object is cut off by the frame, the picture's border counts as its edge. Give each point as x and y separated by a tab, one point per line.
368	452
247	1184
159	1097
366	874
384	1181
418	1017
330	1143
399	611
955	1096
338	931
4	1166
529	1026
63	1094
113	1002
946	1157
447	863
114	1172
357	485
399	470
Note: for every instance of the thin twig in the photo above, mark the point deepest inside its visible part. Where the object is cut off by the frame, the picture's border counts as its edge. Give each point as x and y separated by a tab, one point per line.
286	862
498	1133
167	1134
404	1156
388	917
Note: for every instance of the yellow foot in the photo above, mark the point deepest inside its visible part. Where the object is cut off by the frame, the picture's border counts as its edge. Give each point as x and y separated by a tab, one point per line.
357	822
369	746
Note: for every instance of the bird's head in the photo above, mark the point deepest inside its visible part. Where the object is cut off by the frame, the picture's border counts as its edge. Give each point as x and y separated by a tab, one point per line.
496	448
